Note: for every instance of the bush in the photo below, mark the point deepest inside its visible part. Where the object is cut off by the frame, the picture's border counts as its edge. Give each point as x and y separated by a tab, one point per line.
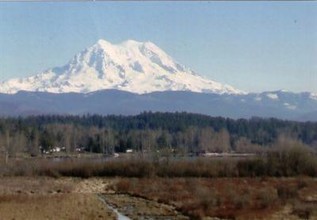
251	167
242	201
304	211
267	197
291	158
292	162
286	192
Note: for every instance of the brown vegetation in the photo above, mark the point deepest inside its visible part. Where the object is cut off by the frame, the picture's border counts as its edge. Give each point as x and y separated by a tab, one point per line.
288	162
228	198
57	206
232	198
268	186
47	198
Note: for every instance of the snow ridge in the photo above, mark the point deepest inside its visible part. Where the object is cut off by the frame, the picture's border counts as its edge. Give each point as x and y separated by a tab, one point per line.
138	67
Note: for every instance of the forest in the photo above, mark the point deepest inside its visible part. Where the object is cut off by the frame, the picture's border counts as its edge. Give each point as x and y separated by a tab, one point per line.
179	133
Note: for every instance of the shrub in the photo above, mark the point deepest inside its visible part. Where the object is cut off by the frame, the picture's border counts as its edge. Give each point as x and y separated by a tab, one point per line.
123	185
303	210
208	197
291	158
251	167
241	201
267	197
286	192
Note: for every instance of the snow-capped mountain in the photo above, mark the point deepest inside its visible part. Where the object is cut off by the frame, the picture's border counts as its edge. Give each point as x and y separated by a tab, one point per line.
137	67
105	78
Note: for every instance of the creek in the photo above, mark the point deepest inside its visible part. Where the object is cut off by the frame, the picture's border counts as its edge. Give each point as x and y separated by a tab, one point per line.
120	216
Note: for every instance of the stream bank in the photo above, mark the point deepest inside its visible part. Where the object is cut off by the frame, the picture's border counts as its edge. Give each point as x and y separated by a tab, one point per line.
130	207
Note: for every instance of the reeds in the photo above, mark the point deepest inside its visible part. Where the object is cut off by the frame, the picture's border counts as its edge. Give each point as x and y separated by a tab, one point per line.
270	165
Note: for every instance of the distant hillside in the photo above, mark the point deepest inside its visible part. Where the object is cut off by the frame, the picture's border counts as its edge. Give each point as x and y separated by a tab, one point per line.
278	104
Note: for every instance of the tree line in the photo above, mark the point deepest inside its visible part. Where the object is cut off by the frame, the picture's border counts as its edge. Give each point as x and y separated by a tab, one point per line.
179	132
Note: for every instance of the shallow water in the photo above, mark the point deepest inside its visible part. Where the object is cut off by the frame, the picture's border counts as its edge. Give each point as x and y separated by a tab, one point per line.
119	215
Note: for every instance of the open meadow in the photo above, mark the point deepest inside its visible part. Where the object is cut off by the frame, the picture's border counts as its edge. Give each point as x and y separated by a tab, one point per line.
204	188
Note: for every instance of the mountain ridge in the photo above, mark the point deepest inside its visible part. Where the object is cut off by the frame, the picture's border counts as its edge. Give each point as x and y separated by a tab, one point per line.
289	106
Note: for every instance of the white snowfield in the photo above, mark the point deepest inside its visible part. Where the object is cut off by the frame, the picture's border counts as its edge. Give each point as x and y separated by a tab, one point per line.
138	67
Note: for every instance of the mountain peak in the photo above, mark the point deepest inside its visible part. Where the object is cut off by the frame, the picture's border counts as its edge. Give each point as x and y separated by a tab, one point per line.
102	42
129	43
138	67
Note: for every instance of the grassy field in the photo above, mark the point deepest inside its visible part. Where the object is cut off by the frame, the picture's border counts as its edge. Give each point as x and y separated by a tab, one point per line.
229	198
280	187
47	198
160	198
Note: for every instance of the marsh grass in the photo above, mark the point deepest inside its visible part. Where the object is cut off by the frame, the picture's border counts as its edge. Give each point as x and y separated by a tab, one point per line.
54	206
242	198
278	163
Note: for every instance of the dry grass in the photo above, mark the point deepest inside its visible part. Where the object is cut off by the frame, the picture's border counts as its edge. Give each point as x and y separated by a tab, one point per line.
244	190
47	198
275	164
229	198
281	161
233	198
57	206
38	185
135	167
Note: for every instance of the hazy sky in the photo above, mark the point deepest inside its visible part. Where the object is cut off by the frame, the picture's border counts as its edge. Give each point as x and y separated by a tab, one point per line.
253	46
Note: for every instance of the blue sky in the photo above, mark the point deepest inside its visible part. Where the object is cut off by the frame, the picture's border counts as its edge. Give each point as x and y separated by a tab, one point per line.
253	46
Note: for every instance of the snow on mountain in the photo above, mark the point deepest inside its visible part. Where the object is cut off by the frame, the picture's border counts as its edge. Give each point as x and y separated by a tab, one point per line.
313	96
138	67
272	96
